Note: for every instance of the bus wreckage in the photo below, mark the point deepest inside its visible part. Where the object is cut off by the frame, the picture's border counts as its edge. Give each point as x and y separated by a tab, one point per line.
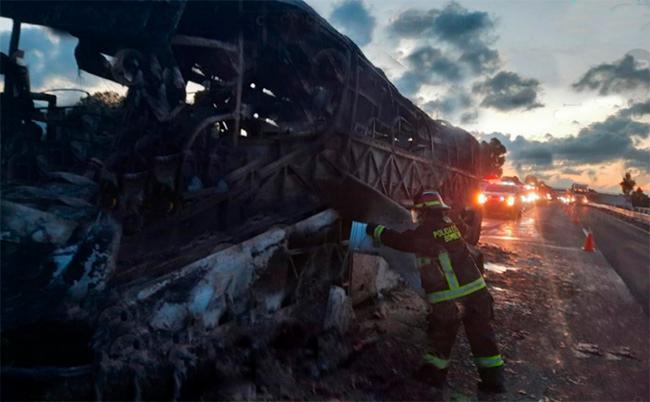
169	244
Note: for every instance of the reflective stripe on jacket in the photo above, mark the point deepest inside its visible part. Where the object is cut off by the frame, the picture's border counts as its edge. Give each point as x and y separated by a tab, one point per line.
441	241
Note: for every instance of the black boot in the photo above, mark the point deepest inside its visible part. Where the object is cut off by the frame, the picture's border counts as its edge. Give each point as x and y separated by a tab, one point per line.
492	380
431	375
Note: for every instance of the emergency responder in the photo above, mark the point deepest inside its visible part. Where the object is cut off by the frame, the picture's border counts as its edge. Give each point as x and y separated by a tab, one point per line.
450	278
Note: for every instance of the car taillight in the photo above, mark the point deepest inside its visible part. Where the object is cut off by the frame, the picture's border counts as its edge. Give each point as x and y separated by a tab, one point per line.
482	199
511	201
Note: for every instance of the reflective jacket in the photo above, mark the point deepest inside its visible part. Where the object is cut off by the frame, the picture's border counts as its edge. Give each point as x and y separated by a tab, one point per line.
447	269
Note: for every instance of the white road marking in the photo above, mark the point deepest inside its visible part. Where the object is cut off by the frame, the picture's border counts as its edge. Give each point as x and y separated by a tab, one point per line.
532	242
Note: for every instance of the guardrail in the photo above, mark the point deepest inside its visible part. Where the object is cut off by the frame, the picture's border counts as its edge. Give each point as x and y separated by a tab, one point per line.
642	210
638	216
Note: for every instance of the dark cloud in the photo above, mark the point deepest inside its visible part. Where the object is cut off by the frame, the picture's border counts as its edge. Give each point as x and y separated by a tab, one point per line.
480	58
508	91
620	76
571	171
607	141
454	100
414	23
410	82
427	65
466	34
355	20
530	152
46	54
469	117
456	24
453	24
636	109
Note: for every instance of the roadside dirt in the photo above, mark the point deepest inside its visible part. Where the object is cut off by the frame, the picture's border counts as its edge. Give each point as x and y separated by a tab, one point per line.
562	339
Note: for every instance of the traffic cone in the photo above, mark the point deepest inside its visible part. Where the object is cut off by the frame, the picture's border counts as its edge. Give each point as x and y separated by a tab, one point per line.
589	243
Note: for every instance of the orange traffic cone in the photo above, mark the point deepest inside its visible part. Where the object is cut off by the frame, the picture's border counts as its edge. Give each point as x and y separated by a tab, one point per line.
589	243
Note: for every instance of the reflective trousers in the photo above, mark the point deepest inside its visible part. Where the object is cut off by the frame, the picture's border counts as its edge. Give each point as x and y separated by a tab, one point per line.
445	319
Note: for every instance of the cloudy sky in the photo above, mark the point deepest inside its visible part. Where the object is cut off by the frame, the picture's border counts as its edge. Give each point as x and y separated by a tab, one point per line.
564	84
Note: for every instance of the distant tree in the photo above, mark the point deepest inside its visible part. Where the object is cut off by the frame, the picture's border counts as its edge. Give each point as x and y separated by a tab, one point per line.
492	157
639	199
627	185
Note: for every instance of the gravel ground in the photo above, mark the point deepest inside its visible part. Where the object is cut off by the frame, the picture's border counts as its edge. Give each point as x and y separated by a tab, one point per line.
565	332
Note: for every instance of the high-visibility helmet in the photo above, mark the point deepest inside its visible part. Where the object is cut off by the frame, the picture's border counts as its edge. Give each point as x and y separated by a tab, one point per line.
429	199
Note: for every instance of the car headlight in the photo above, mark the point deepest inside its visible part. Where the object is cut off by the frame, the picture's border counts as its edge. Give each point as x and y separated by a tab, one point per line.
482	199
511	201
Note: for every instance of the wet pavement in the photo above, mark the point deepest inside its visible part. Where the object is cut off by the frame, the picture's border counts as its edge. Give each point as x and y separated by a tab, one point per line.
625	246
566	320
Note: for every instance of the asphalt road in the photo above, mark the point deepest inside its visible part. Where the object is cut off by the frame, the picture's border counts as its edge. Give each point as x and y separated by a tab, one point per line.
569	326
625	246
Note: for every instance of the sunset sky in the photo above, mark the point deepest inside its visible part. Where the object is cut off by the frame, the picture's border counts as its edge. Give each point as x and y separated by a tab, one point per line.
564	84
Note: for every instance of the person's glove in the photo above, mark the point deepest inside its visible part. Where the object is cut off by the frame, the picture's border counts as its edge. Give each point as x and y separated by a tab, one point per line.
373	230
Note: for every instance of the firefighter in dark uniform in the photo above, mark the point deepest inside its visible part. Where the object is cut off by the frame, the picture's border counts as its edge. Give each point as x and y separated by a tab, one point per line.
450	278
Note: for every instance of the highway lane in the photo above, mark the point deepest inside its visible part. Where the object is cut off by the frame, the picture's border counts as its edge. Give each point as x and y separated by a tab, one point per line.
564	317
625	246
